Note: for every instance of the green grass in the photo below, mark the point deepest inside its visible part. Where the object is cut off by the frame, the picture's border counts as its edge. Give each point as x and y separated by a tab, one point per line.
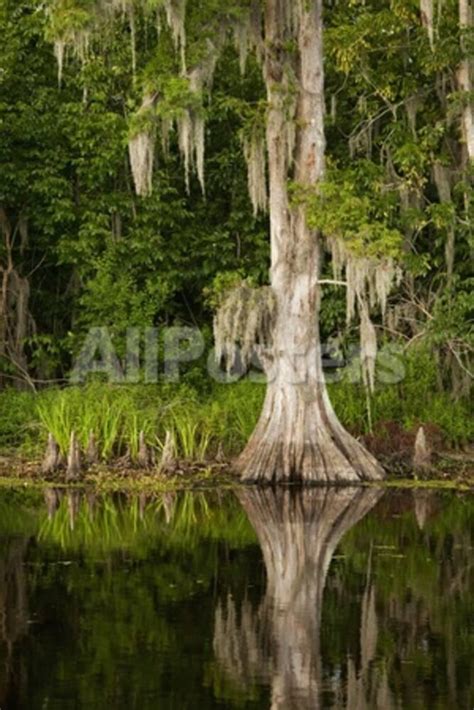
110	413
126	521
213	420
416	400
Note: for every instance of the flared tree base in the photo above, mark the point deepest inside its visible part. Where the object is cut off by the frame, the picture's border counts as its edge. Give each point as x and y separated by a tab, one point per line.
299	439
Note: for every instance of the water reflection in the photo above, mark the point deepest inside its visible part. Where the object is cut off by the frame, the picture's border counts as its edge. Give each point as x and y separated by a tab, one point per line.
362	600
13	609
279	642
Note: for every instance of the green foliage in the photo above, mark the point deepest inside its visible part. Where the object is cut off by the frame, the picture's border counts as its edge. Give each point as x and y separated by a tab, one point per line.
74	410
201	424
139	579
98	255
224	282
205	421
109	525
19	512
416	400
353	205
453	314
18	420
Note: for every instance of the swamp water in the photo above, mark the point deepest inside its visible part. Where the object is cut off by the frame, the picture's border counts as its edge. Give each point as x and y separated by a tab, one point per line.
258	599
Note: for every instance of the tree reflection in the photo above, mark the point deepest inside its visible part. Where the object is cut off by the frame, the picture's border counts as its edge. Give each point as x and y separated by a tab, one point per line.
279	644
137	578
13	608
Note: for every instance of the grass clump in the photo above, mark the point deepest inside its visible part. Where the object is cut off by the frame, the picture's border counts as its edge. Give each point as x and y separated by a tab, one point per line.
201	426
210	421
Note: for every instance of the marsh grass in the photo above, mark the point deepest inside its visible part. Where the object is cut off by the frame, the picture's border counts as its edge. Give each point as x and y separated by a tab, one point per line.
207	421
101	410
117	416
415	400
192	437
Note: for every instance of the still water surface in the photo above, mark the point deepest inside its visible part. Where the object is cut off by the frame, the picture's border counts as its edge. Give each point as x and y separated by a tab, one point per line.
257	599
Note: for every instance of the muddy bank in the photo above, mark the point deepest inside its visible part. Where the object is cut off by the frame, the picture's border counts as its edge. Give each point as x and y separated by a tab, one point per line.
447	469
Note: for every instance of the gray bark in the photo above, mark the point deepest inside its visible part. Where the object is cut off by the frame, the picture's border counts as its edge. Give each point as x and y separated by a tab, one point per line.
51	459
92	454
298	436
465	80
74	463
168	462
144	455
422	451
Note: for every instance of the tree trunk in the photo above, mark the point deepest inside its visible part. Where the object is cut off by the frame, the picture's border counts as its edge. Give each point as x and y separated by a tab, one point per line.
465	80
298	437
298	532
15	318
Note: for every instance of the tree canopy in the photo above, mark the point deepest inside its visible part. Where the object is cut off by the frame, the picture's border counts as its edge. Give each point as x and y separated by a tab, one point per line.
103	100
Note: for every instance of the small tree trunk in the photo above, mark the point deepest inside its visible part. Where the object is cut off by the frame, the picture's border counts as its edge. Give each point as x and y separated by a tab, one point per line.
169	505
422	452
91	500
144	458
298	436
73	471
424	505
168	456
142	504
92	455
51	459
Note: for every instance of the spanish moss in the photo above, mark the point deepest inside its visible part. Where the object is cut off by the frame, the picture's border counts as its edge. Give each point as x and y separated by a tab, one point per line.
243	325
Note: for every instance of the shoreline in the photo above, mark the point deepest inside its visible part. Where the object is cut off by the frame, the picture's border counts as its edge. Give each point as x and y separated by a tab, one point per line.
452	471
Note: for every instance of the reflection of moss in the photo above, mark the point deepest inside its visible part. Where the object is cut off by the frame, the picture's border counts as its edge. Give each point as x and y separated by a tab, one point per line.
423	580
125	602
226	689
